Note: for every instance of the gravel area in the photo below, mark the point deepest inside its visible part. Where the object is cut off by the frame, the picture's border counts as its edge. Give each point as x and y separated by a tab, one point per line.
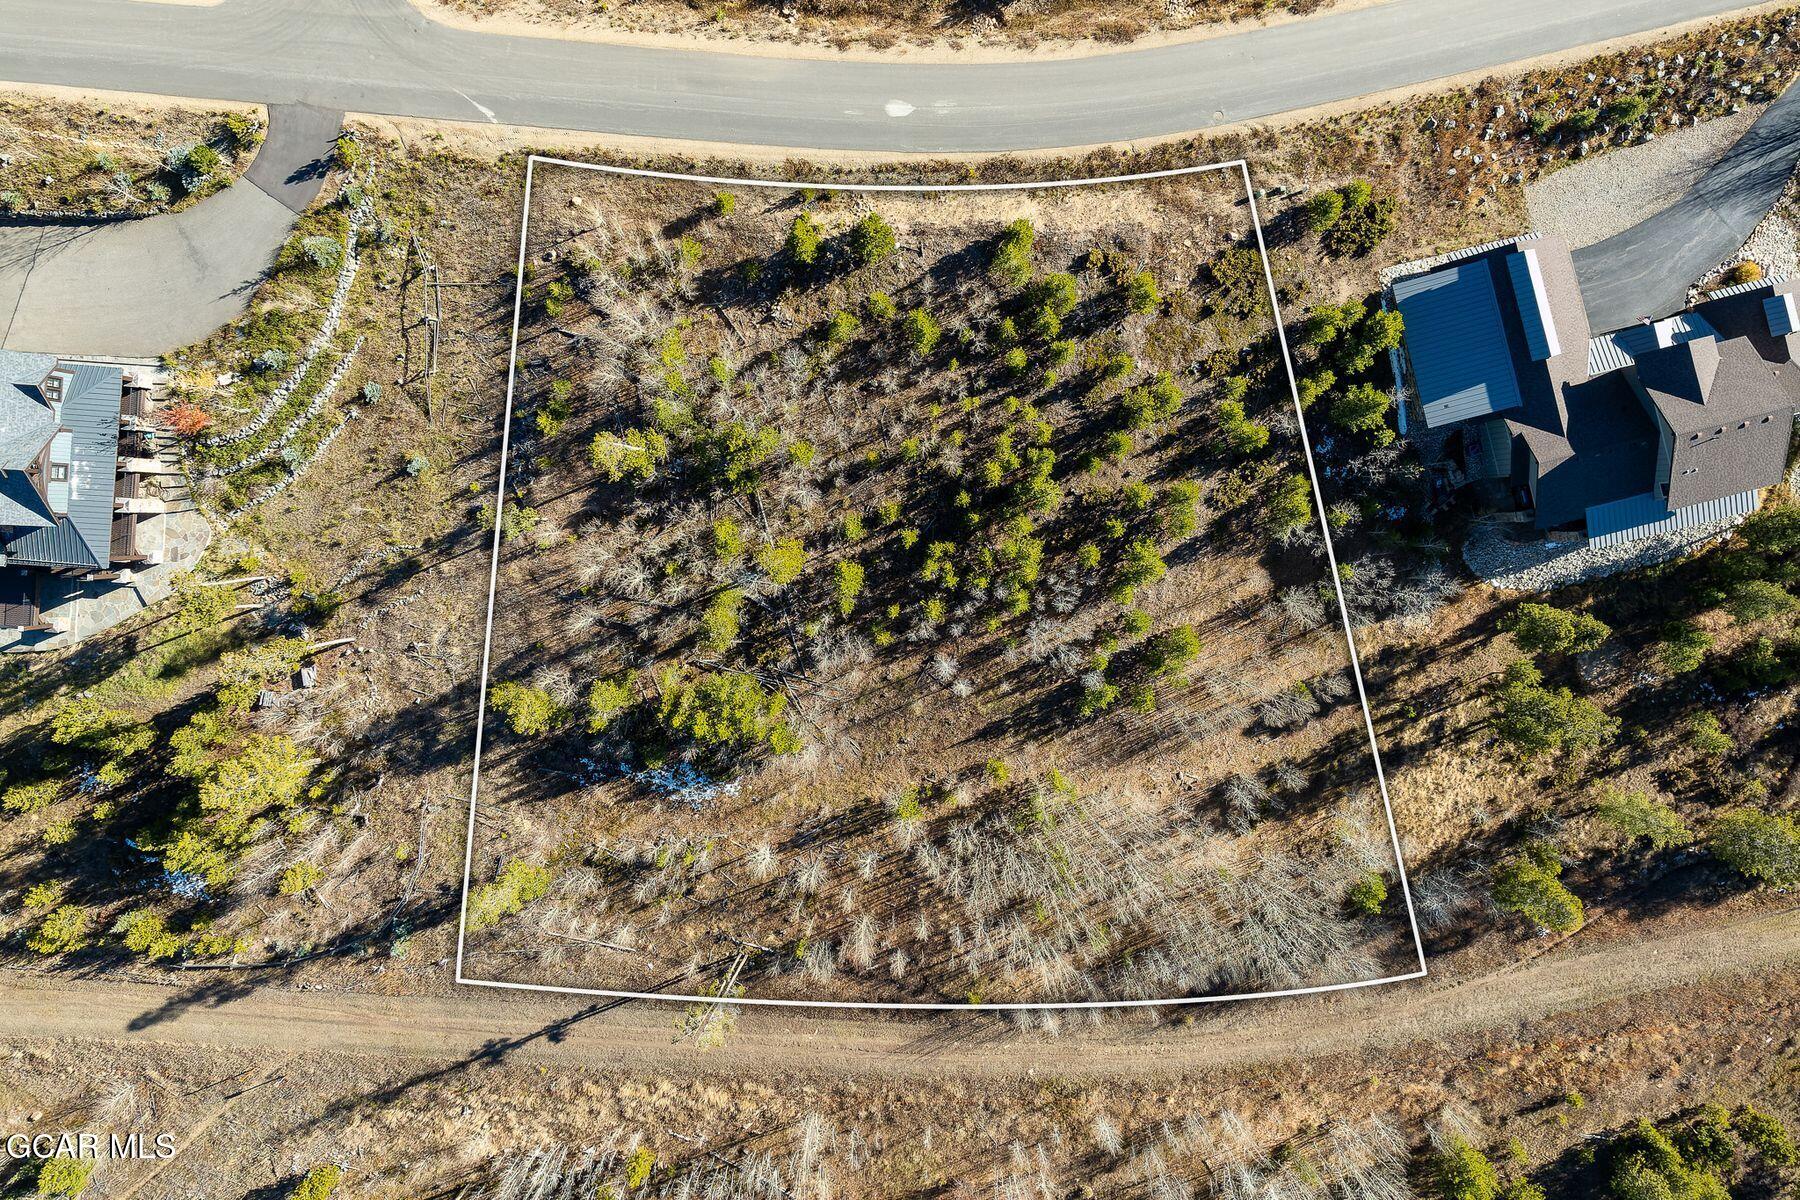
1774	246
1540	566
1595	197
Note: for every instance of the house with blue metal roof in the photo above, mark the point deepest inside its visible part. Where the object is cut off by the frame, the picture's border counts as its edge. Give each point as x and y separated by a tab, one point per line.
1619	436
71	434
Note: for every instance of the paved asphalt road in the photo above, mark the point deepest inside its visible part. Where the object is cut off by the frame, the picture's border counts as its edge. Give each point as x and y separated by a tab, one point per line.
1644	271
139	288
381	56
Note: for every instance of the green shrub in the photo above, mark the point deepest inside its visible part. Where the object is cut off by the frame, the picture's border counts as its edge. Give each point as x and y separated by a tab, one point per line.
529	711
728	711
1368	895
1758	845
324	253
1363	227
1178	509
1238	282
871	240
1322	211
1243	436
722	620
1638	815
882	306
1529	885
1626	110
1760	599
607	700
724	204
804	239
1546	629
840	329
1683	648
638	1166
518	884
1533	718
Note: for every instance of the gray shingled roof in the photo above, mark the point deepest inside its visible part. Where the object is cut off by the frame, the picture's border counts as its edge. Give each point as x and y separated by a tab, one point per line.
26	422
20	505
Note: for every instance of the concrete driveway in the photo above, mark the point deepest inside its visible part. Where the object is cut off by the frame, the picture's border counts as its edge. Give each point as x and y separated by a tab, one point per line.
140	288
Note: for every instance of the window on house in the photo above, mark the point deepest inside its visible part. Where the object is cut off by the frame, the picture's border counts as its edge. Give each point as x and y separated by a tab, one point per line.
59	472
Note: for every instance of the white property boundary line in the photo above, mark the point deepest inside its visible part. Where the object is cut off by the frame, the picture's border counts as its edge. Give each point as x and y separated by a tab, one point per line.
487	643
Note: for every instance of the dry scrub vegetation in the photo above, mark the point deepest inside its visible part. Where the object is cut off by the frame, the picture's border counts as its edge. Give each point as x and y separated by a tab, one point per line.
923	595
886	25
62	156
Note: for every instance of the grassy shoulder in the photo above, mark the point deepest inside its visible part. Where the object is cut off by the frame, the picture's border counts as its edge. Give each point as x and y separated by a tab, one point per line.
130	157
1014	27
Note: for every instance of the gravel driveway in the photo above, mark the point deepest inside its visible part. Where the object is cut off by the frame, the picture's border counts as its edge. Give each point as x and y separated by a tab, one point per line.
1596	197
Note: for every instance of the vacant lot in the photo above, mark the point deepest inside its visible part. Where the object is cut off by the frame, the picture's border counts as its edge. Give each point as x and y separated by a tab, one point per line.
922	595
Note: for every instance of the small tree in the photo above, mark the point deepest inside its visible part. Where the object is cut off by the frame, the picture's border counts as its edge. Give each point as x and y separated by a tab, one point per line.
1529	885
1323	210
804	239
63	929
1545	629
1012	253
848	584
722	620
1766	1137
529	711
922	332
1368	895
518	884
1461	1172
1363	408
1141	293
1534	718
300	877
1172	649
607	700
1708	737
1758	845
782	560
871	240
1638	815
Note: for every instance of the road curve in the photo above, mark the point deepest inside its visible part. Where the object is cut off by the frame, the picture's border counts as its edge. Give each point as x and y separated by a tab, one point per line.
383	57
1644	272
227	1011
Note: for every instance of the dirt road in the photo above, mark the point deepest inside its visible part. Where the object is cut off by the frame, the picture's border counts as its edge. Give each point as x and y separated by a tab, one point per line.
491	1025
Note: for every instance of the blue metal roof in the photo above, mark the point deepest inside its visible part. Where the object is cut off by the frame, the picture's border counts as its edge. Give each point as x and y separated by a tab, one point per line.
1534	305
1636	517
1781	314
1457	343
